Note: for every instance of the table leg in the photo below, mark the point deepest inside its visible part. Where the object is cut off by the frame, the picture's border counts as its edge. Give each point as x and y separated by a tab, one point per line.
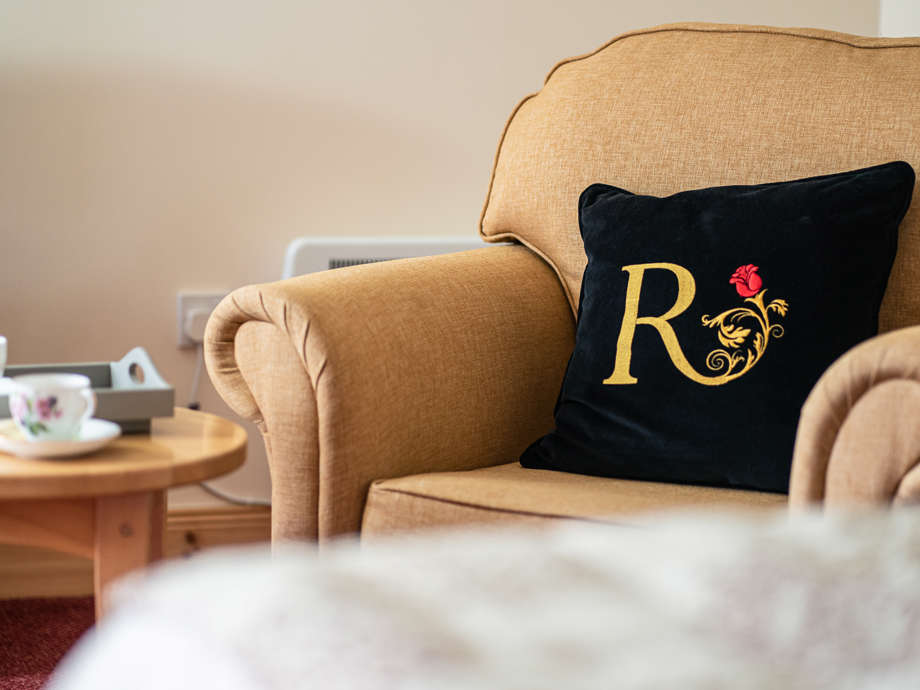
128	535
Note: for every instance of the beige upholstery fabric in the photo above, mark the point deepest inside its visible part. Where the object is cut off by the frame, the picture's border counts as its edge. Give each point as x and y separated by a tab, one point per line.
693	105
389	369
287	417
510	493
859	437
454	363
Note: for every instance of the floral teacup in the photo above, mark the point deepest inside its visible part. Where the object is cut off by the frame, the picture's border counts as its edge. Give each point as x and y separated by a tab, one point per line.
51	407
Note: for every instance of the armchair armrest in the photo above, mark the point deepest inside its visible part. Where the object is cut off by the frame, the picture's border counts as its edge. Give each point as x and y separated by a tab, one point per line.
439	363
858	439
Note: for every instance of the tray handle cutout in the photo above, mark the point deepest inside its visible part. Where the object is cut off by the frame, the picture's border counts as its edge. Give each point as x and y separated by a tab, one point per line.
136	370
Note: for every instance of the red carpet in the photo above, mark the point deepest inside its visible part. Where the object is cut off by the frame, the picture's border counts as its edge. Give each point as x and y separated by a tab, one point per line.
34	636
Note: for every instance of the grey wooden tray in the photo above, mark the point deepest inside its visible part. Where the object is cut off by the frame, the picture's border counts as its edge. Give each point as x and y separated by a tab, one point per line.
129	392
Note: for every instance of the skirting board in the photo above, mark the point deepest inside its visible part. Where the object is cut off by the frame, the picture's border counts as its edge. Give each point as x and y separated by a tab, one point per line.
31	572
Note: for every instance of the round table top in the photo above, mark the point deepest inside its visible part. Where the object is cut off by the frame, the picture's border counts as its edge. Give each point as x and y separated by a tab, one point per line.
189	447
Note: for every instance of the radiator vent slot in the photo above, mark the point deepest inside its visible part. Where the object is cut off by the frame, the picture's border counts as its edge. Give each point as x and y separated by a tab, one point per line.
312	254
342	263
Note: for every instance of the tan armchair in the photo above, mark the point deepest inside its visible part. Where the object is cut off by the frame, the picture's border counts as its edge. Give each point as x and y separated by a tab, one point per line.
399	395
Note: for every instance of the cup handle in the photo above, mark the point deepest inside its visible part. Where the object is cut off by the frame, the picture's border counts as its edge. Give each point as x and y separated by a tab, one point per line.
89	396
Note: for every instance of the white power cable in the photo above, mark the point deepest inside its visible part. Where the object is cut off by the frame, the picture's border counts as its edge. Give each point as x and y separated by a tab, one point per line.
233	498
193	403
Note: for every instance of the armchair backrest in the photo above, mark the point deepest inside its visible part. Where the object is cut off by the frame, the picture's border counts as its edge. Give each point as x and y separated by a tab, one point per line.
685	106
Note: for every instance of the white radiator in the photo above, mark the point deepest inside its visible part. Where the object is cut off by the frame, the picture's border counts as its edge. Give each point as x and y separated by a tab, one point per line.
311	254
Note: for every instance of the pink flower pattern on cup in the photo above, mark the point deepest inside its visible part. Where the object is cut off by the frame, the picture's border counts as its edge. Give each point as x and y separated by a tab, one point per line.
51	407
46	408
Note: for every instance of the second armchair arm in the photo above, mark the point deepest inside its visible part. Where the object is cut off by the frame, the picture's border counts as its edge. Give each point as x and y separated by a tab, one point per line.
858	438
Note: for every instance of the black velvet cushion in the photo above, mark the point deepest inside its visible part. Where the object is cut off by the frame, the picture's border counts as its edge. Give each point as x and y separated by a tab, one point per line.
706	317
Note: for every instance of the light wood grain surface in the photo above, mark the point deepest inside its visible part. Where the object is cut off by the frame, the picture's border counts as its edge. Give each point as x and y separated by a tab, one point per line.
110	505
128	535
187	448
29	571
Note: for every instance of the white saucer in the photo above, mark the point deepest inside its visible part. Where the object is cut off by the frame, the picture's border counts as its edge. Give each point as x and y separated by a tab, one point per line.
95	434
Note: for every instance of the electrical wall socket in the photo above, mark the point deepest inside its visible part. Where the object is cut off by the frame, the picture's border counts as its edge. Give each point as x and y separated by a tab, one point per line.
185	302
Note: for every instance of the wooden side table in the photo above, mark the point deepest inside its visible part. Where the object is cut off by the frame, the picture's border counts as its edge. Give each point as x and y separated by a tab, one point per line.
111	506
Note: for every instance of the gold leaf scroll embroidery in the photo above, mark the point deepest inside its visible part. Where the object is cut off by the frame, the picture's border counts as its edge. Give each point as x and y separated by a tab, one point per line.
731	365
742	352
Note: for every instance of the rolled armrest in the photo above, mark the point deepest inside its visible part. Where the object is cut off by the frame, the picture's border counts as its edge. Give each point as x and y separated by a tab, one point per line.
858	439
439	363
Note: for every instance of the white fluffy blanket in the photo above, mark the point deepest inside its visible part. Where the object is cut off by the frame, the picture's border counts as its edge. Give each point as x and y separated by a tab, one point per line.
682	602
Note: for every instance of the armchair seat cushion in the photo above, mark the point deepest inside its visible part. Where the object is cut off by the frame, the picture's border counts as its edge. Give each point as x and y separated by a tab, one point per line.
511	493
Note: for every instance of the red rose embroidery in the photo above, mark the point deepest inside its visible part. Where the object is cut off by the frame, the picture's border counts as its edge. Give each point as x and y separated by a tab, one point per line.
746	280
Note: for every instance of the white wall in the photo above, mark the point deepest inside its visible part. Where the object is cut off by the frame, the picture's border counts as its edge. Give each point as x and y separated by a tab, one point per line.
899	18
149	147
